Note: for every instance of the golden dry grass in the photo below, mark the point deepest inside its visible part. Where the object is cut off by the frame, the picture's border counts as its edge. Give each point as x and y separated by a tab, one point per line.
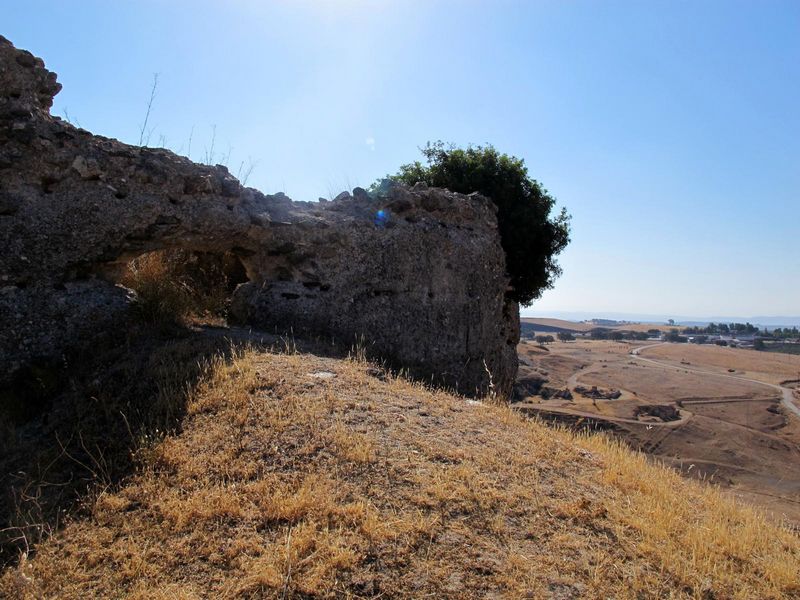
569	325
300	476
172	287
771	367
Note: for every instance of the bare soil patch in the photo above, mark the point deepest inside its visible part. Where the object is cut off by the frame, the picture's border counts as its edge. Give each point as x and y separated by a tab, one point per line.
770	367
733	432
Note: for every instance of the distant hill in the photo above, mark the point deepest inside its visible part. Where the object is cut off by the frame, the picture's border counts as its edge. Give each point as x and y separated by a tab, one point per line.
549	325
687	320
757	321
555	325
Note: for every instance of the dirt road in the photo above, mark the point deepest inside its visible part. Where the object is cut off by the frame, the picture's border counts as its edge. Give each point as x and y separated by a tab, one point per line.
786	393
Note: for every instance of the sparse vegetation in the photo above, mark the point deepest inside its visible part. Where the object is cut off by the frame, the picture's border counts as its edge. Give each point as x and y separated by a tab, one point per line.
173	285
726	416
299	476
144	132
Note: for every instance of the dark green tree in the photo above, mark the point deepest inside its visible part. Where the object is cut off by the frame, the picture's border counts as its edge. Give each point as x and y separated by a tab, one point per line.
530	235
674	336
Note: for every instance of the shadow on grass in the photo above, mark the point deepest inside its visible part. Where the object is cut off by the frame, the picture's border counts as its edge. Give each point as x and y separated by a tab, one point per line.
68	431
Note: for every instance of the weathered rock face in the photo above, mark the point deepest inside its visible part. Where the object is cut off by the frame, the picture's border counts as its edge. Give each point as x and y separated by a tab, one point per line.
424	289
419	275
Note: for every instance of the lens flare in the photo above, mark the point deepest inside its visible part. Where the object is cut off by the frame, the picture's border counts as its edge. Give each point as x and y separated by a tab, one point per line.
381	218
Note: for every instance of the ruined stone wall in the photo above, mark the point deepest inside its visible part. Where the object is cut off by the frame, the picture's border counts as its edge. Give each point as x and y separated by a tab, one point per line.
424	285
424	289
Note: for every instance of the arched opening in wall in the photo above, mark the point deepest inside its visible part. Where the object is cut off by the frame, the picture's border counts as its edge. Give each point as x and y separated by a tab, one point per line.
184	286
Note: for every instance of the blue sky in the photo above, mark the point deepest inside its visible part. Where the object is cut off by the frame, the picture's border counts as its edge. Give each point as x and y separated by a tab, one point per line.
670	130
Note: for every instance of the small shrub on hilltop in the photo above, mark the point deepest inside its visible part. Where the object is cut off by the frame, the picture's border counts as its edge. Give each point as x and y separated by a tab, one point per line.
530	236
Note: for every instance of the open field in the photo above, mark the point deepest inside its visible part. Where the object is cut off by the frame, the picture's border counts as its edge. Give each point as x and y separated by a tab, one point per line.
727	427
549	325
772	367
556	324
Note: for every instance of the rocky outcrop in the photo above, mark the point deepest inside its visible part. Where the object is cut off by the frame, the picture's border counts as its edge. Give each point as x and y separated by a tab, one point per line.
594	393
417	274
658	412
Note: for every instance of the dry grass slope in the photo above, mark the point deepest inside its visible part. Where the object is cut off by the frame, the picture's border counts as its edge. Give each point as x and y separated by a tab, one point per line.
300	476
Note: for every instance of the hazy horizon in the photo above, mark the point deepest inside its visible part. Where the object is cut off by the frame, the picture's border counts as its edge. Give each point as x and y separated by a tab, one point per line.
668	129
763	320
